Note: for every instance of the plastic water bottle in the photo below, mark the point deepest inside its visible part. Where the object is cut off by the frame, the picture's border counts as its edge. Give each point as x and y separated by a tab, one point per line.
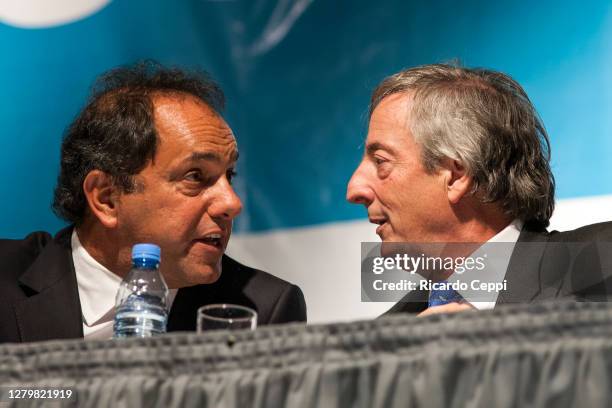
141	304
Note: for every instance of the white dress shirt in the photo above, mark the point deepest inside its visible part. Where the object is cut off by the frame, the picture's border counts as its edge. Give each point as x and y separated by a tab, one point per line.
97	290
496	266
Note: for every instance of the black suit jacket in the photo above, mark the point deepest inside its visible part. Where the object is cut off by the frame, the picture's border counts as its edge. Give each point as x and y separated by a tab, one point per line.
546	265
39	298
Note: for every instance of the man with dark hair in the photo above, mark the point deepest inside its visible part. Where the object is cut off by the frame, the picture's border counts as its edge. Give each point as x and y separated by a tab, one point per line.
460	155
149	159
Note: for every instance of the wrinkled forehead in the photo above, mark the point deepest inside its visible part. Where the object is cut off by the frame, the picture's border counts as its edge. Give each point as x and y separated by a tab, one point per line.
391	115
188	122
179	110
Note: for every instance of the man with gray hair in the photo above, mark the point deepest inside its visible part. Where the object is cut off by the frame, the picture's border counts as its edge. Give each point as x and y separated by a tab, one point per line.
460	155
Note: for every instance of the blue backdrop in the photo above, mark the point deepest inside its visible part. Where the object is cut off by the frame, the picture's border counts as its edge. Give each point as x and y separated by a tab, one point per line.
298	75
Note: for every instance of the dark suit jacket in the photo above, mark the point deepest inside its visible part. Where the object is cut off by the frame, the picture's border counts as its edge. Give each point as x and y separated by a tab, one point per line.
39	298
546	265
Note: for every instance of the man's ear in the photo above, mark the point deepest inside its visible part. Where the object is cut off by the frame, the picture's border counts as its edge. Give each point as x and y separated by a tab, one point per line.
102	196
458	182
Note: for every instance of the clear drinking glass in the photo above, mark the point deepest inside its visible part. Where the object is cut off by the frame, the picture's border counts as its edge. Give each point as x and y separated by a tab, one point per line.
226	317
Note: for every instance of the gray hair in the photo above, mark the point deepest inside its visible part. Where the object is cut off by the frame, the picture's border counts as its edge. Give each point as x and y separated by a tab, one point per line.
485	120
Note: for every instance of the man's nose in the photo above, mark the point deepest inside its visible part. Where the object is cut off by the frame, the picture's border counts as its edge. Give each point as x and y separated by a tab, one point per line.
226	204
358	190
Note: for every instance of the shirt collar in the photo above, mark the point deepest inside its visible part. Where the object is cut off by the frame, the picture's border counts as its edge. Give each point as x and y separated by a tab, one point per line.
497	264
97	285
509	234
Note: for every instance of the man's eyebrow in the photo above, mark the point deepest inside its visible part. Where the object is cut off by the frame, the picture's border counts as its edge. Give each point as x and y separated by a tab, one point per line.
211	156
371	148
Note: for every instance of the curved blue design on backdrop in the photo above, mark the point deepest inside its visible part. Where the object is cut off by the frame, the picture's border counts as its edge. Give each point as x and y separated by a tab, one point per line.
298	108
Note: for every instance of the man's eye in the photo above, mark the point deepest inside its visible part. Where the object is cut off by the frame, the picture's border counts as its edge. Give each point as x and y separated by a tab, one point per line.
382	165
231	173
379	160
194	176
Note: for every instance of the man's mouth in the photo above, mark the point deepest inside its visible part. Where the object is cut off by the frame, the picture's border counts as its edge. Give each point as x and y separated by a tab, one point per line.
215	239
380	221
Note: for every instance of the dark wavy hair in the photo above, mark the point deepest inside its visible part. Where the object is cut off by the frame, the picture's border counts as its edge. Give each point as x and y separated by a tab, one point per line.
115	131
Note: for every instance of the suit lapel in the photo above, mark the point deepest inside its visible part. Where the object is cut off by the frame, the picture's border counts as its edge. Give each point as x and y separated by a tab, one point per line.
182	316
52	309
232	287
523	275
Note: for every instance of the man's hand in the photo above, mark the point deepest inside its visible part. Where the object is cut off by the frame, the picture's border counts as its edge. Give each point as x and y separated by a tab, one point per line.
447	308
